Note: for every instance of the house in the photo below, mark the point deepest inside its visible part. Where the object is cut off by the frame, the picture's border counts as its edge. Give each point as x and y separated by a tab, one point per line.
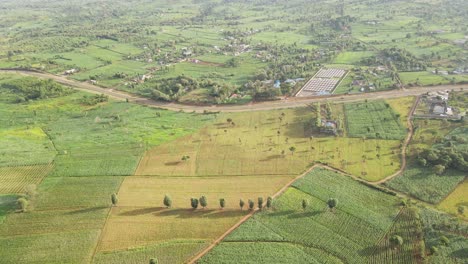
329	127
71	71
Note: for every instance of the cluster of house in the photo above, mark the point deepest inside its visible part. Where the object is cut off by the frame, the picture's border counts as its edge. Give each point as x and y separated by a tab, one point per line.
437	106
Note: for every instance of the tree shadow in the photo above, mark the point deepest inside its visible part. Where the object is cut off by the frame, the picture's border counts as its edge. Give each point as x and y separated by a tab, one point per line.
200	213
281	213
142	211
86	210
272	157
304	214
461	253
172	163
372	250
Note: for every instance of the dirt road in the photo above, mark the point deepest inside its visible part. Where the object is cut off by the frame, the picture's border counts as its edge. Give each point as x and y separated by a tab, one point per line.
292	102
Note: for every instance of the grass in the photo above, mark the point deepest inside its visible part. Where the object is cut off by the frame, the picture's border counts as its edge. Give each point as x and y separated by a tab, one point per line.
456	199
149	191
327	236
253	147
352	57
16	179
168	252
422	78
402	106
374	119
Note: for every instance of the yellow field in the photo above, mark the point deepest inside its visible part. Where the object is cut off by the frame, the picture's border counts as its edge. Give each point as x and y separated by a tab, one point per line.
252	146
459	197
130	227
149	191
15	179
402	106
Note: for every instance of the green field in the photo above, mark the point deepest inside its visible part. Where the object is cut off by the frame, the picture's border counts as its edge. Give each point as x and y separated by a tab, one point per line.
373	120
316	233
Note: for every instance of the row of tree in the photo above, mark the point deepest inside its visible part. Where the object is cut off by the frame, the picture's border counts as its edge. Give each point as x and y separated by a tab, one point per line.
203	202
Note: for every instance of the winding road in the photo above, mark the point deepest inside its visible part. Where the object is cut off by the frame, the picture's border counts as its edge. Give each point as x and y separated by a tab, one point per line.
292	102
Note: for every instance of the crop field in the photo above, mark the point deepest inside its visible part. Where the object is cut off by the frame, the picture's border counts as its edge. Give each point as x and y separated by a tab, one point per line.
373	120
327	236
454	200
166	252
70	247
424	184
148	191
408	226
76	192
130	227
22	146
253	146
16	179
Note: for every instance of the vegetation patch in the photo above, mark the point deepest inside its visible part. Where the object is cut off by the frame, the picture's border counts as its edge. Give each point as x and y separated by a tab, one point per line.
456	202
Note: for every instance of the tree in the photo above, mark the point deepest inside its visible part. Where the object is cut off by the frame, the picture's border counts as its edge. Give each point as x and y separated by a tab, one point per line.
251	205
332	203
229	120
222	203
444	240
269	202
114	199
185	158
461	209
260	203
22	204
305	203
154	261
439	169
194	203
167	201
241	204
292	149
396	241
203	201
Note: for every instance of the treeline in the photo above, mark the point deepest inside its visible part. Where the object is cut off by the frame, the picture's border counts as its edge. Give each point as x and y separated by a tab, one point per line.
172	89
30	88
445	156
401	59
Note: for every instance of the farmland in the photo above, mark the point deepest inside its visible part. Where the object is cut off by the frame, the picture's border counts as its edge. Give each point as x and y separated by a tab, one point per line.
316	230
373	120
258	144
93	170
